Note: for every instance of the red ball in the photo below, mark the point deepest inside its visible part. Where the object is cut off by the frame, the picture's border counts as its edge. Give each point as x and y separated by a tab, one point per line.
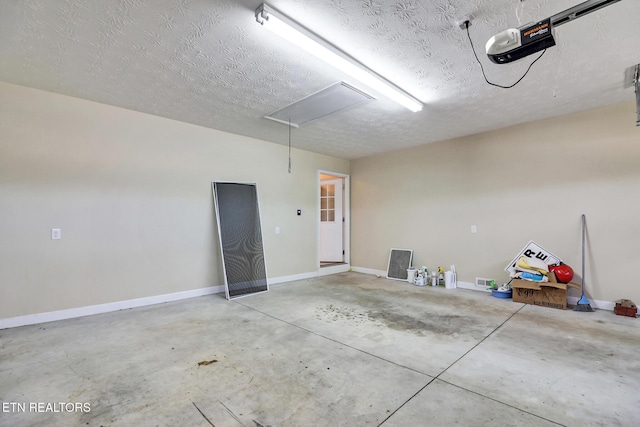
563	272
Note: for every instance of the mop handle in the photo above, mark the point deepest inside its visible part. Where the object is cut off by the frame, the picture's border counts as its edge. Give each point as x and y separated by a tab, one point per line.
583	239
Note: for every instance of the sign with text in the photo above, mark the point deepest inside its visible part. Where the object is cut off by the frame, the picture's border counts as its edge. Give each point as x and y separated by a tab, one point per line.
533	250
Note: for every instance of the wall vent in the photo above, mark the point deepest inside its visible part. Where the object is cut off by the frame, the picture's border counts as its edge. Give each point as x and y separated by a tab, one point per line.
483	283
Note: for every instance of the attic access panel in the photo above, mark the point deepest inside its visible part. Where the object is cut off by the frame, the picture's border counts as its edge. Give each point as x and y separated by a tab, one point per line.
240	233
399	261
330	100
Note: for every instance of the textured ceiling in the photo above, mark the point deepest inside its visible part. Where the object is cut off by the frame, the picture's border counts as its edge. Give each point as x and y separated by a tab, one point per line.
209	63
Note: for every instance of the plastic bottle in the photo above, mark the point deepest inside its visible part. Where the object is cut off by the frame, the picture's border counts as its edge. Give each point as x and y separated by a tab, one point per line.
425	272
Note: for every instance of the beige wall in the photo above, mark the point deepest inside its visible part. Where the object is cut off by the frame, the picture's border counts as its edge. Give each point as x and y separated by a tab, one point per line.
132	195
526	182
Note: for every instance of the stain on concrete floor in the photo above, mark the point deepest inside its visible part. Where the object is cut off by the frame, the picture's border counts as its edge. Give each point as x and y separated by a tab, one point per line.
443	324
438	324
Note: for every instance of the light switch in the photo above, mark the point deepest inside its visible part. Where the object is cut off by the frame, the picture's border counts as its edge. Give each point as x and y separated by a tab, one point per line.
474	229
56	234
277	230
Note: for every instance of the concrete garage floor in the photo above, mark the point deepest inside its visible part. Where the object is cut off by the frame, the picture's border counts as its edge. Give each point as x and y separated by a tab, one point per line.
342	350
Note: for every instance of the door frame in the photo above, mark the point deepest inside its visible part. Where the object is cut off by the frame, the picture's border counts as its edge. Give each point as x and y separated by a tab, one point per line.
332	231
346	227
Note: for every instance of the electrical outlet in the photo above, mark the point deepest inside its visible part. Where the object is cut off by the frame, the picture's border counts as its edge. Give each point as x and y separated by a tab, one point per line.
56	234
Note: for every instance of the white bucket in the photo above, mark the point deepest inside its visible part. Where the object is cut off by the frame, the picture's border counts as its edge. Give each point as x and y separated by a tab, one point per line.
411	275
449	280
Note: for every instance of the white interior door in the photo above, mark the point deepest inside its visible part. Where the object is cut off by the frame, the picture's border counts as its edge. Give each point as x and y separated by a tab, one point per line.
331	221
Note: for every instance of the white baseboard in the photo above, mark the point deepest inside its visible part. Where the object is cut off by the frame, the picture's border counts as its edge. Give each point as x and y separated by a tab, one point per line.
326	271
602	305
472	286
51	316
32	319
379	273
71	313
292	278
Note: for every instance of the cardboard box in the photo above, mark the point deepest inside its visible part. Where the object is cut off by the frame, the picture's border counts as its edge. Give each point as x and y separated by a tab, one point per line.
547	294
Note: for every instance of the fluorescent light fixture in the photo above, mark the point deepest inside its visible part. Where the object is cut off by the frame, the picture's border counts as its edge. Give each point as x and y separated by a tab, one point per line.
295	33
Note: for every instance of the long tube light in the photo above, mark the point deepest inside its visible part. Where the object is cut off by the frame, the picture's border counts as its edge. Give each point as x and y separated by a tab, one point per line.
290	30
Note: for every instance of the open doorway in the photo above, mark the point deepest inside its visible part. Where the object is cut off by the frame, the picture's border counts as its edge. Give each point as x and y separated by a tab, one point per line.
333	227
